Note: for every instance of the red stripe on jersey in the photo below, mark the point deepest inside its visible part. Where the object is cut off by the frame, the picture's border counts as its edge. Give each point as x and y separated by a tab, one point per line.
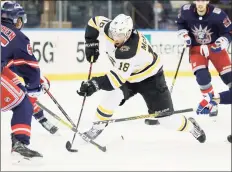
22	132
21	126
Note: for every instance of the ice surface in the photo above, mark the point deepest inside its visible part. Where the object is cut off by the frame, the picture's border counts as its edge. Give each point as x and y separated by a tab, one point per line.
144	148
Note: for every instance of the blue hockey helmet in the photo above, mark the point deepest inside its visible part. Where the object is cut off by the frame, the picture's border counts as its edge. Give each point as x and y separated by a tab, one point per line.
13	11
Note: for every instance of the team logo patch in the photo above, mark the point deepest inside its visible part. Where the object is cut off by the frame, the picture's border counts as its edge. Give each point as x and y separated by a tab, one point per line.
124	48
186	7
226	22
29	49
7	99
202	35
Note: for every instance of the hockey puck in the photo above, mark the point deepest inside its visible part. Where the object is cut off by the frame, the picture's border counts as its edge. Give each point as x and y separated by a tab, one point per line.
69	147
229	138
151	122
122	137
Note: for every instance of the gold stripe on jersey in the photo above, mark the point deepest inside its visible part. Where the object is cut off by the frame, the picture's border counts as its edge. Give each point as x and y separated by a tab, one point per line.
115	79
139	43
103	114
93	24
147	73
97	21
109	39
145	66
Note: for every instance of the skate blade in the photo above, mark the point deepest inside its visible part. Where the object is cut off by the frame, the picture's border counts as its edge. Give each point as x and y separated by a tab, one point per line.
18	159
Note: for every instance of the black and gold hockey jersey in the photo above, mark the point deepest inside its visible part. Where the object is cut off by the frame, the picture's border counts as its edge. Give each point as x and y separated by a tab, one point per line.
134	61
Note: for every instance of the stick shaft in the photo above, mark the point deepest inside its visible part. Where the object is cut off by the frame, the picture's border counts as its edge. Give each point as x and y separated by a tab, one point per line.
73	128
140	117
177	70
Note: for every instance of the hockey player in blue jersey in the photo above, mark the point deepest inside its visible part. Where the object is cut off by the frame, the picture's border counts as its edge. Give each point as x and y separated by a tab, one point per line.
207	31
16	46
210	100
17	66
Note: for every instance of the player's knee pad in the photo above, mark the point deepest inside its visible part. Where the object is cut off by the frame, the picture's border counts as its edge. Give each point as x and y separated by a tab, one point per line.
227	78
21	120
11	95
203	78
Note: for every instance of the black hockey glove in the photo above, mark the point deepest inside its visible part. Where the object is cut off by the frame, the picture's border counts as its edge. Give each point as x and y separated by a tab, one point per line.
88	88
92	49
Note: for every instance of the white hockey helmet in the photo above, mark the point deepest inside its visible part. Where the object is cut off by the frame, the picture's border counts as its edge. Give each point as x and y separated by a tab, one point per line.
121	28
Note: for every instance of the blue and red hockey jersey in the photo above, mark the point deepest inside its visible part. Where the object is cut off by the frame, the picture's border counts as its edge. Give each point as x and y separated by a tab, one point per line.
204	29
17	53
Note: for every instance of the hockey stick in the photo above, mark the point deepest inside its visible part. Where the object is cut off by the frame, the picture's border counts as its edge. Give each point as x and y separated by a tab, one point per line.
60	107
68	143
57	117
73	128
177	70
142	116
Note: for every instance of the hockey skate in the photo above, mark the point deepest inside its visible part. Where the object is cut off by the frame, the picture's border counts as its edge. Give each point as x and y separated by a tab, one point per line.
197	132
95	131
21	152
48	126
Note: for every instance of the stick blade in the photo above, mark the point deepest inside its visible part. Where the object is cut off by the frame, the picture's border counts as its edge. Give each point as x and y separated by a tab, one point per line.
69	147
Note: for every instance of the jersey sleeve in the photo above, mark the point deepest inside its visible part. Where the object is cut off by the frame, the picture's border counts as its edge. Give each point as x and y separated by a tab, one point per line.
95	27
225	26
180	20
25	64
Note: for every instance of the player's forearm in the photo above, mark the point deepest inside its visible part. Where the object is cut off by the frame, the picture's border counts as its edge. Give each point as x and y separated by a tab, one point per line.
91	31
181	26
104	83
31	76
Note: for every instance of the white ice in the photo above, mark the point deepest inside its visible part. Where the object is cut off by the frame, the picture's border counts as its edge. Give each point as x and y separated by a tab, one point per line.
143	148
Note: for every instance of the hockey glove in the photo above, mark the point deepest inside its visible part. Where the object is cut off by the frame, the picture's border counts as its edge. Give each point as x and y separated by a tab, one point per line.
206	105
45	83
183	35
88	88
92	49
220	44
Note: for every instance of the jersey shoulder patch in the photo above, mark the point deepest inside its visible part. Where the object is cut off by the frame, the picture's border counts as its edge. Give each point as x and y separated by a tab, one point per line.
217	10
129	49
186	7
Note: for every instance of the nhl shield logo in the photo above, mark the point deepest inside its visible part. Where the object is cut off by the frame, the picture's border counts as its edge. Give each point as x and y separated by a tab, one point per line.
202	35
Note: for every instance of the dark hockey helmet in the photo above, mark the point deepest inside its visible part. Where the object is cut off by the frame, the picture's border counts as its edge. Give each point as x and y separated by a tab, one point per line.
13	11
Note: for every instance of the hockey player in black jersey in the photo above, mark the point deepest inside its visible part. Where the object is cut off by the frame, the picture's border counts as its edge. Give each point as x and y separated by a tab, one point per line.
136	68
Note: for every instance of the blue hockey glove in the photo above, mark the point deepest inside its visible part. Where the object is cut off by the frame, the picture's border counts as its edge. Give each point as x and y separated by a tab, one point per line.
206	105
